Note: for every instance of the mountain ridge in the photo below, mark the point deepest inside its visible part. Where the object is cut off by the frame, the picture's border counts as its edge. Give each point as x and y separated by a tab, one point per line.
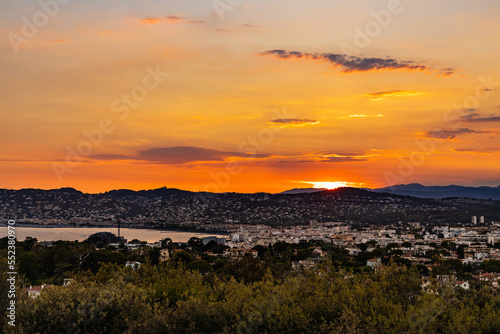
172	208
421	191
412	189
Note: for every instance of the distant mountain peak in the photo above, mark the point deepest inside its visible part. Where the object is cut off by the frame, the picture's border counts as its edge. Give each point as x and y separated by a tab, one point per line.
68	190
415	185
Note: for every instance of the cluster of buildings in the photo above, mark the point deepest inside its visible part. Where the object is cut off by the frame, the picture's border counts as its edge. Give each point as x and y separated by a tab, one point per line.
341	234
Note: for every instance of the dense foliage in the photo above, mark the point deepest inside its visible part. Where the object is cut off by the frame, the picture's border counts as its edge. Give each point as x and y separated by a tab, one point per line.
201	289
167	298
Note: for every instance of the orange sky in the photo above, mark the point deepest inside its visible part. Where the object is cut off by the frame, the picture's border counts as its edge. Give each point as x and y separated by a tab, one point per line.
260	96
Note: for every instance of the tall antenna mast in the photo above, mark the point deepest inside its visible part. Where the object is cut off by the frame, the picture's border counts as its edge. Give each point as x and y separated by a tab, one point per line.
118	228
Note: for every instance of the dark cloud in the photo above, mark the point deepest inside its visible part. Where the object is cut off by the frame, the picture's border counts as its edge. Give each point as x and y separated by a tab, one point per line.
467	117
447	72
294	121
182	154
450	134
355	64
178	155
474	118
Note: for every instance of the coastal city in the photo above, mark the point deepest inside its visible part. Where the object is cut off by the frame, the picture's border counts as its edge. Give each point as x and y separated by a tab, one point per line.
361	223
465	250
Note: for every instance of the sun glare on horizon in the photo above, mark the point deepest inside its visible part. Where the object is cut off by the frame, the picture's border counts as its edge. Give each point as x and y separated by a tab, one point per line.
331	184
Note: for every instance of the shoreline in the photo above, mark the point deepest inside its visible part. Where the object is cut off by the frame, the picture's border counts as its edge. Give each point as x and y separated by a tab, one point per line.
179	230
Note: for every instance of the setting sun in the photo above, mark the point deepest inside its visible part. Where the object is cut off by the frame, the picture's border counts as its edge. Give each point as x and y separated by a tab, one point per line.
331	185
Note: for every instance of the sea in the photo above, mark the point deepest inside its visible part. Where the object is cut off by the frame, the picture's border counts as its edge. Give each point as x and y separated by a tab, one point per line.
82	233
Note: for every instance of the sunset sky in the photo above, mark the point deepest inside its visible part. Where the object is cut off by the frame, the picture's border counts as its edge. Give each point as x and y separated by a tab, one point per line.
249	95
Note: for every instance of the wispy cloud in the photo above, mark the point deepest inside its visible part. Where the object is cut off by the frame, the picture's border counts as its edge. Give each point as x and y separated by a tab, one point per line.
349	64
328	158
391	93
450	134
150	20
293	121
172	19
57	41
479	150
343	159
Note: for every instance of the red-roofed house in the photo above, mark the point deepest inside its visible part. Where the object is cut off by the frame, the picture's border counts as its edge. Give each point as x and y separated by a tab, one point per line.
374	263
35	291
